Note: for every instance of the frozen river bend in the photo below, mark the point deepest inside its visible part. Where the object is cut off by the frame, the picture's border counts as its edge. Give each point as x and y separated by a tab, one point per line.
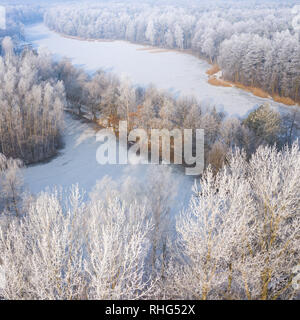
178	72
76	164
174	71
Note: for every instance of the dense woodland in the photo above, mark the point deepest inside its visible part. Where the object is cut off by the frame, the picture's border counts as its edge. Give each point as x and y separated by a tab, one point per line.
254	45
239	237
106	99
35	90
31	103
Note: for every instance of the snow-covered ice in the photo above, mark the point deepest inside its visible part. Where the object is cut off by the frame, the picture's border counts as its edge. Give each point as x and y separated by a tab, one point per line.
175	71
77	164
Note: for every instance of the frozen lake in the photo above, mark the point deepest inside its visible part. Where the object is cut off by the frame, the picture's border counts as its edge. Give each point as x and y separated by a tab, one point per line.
175	71
76	164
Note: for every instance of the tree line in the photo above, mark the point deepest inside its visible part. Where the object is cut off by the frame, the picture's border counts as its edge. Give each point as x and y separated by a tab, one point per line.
35	90
238	239
106	99
31	103
254	45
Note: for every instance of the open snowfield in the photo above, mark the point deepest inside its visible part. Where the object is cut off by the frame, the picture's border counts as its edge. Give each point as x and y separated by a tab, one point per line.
178	72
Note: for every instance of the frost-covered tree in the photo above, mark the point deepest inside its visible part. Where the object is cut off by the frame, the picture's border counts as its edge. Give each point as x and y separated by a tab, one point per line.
118	244
254	44
265	123
11	182
178	33
31	102
156	195
239	239
151	32
78	251
126	103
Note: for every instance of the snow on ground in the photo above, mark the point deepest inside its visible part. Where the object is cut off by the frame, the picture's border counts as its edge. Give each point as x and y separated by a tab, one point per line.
174	71
178	72
77	164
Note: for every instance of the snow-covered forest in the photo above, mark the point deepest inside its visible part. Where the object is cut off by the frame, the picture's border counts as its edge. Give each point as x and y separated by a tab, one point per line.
36	90
47	87
31	103
145	263
254	43
239	235
16	17
107	99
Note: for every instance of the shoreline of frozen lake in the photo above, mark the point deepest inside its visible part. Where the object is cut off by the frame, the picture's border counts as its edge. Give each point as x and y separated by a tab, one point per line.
177	72
76	163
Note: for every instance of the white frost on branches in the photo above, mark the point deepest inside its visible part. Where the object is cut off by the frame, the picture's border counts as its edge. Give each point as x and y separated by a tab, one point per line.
240	236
